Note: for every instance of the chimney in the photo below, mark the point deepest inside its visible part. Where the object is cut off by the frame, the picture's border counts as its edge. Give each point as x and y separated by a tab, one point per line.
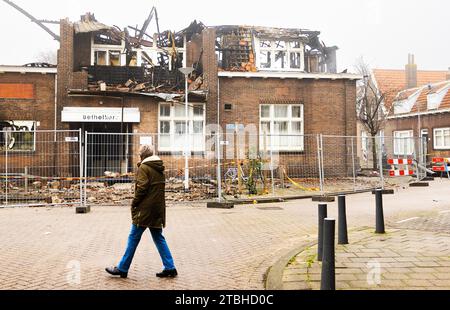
411	72
447	76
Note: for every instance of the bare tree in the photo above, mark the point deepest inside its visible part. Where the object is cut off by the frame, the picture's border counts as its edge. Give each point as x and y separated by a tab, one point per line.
47	56
370	106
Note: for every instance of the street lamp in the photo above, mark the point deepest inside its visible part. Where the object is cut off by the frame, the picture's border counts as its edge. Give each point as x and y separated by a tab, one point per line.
186	71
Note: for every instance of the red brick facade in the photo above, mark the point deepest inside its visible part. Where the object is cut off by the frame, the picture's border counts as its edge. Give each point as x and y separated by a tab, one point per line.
429	122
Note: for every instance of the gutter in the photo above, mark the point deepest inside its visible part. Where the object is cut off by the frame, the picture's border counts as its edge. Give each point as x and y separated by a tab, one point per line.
418	113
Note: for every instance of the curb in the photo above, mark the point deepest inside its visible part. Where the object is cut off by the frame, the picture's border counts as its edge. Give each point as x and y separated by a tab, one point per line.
274	275
287	198
274	278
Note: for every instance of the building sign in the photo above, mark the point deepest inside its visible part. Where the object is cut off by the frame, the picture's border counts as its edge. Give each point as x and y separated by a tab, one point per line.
71	139
100	115
146	140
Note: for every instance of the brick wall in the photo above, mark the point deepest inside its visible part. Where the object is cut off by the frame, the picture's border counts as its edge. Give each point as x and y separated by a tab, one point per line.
429	122
329	108
41	108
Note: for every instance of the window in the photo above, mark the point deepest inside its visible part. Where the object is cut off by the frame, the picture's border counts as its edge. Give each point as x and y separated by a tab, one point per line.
281	126
403	143
17	135
172	127
280	55
100	58
114	58
442	138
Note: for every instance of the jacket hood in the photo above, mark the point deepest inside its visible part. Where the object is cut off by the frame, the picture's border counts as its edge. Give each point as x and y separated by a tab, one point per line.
155	162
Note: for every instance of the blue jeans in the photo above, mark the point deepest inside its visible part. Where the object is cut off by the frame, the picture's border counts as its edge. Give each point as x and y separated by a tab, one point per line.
133	241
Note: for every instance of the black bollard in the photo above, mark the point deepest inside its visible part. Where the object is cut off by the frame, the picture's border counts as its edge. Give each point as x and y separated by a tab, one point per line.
328	276
342	221
379	226
322	216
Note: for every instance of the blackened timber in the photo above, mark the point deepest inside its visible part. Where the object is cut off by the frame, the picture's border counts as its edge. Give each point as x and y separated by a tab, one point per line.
115	75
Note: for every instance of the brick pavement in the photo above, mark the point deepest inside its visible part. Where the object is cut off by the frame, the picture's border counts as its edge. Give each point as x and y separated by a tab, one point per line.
41	248
403	258
213	249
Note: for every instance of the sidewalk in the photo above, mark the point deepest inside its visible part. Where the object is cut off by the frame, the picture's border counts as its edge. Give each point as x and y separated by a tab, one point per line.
402	258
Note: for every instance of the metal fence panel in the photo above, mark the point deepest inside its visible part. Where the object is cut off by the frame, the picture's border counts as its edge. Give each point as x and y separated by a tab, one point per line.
270	165
48	167
111	164
348	168
40	168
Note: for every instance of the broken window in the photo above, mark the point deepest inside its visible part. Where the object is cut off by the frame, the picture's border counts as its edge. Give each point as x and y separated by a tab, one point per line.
114	58
281	127
18	136
100	58
133	59
104	39
280	60
295	59
265	59
280	55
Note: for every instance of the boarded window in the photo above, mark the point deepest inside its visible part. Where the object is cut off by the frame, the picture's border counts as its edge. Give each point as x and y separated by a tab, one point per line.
16	91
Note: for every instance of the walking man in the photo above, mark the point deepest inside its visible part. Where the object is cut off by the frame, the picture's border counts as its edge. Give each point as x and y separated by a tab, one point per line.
148	210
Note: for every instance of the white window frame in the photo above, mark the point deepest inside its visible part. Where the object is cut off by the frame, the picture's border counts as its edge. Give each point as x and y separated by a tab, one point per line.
399	143
289	119
151	51
10	132
195	144
272	49
440	131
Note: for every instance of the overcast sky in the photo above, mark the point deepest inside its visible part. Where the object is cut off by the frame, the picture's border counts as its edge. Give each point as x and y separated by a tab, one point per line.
382	31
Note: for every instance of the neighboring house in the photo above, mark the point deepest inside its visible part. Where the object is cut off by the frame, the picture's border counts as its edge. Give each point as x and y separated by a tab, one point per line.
283	82
422	111
406	93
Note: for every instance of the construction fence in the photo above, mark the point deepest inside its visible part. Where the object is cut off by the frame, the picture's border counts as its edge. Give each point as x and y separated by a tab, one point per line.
75	168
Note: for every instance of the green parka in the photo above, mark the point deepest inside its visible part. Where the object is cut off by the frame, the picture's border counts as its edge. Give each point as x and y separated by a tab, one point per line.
148	208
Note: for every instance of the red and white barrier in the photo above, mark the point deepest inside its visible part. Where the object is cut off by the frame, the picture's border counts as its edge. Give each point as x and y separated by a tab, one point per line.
400	161
400	172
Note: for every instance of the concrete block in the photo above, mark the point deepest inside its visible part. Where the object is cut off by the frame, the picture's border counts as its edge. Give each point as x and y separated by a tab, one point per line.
82	209
323	198
220	205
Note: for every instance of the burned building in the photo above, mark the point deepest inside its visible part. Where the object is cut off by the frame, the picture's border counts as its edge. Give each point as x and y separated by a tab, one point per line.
281	82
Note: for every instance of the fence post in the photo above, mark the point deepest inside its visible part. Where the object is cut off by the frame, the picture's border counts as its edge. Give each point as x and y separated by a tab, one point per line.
380	151
26	178
219	170
85	175
328	276
353	166
342	221
320	164
322	216
271	165
6	167
80	152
